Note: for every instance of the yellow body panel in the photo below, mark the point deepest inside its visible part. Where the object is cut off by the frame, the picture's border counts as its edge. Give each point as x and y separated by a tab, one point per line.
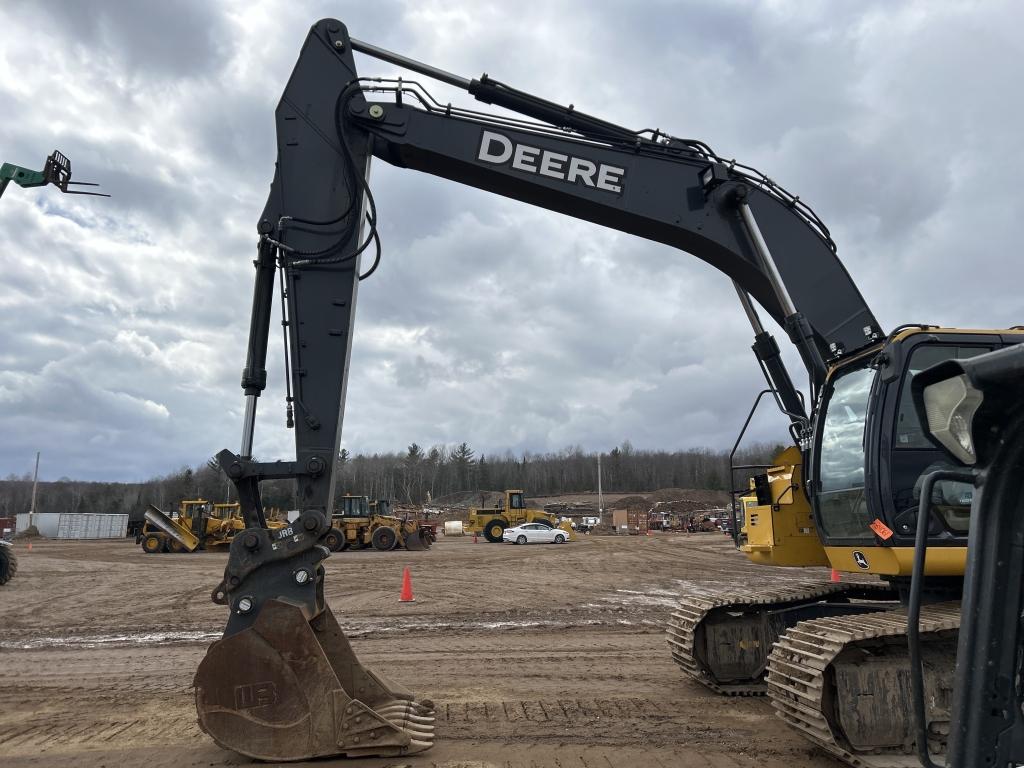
782	533
898	561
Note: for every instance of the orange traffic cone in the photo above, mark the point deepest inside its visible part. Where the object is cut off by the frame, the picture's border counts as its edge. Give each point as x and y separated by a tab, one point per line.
30	546
406	596
835	576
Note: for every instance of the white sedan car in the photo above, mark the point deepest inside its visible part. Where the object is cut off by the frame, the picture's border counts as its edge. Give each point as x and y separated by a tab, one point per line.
534	533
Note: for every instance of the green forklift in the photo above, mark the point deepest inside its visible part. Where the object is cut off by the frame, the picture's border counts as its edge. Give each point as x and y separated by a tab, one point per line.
57	171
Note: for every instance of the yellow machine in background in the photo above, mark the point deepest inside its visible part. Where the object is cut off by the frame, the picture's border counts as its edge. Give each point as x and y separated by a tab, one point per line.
361	523
196	524
492	521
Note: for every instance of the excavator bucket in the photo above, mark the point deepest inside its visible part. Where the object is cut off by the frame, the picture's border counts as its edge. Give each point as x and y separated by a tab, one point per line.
417	541
291	689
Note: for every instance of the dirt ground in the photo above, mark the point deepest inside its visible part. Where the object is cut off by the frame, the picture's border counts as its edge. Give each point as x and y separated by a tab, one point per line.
537	657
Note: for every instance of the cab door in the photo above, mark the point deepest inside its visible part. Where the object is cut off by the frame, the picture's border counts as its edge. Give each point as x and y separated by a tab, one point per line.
841	505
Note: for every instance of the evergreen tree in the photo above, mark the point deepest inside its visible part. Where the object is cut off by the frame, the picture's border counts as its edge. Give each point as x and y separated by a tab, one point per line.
483	473
462	459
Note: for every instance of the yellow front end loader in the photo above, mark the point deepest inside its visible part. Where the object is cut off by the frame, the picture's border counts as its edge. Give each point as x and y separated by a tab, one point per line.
491	522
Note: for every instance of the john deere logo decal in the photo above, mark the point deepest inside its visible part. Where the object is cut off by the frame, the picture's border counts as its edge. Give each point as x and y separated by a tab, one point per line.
499	149
860	560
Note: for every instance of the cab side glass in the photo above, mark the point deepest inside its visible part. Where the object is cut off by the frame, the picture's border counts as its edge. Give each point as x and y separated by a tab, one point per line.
842	504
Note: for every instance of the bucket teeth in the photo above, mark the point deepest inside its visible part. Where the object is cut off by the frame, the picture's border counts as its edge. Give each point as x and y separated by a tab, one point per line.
291	689
409	711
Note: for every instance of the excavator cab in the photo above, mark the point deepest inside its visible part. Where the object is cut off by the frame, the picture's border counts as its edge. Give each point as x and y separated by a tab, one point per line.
870	453
868	462
850	500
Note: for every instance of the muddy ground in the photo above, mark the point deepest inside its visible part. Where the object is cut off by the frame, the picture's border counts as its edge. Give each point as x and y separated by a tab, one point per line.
537	657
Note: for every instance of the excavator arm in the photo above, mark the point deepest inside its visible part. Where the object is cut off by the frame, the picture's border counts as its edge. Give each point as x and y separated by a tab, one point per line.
283	683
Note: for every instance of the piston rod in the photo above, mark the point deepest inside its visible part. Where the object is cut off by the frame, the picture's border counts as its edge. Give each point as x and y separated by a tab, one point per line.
407	63
770	268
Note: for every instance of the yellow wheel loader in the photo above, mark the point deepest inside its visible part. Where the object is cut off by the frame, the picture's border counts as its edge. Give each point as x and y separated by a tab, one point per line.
491	522
363	524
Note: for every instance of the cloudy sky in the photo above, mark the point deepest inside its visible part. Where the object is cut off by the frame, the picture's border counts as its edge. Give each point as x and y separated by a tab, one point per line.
124	320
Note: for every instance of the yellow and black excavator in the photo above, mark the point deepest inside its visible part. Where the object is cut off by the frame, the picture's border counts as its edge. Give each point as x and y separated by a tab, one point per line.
906	459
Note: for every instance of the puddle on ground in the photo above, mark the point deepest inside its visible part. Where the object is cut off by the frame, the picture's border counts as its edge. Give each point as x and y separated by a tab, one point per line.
352	629
668	598
112	641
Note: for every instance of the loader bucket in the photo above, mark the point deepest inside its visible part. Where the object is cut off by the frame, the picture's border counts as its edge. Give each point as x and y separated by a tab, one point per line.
417	542
291	689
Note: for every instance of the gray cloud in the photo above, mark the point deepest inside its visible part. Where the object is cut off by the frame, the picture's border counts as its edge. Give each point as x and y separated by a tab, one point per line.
187	38
488	321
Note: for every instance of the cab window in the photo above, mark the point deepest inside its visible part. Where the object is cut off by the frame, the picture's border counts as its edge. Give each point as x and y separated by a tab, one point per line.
842	505
909	430
914	456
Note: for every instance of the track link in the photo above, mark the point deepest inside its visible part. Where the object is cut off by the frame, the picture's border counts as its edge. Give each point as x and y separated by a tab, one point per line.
693	610
800	683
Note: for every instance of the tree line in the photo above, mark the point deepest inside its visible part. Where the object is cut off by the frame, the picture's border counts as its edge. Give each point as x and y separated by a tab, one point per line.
414	476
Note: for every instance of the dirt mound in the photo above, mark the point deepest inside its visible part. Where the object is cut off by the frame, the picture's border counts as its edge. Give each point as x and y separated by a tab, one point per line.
29	533
630	501
690	498
702	495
